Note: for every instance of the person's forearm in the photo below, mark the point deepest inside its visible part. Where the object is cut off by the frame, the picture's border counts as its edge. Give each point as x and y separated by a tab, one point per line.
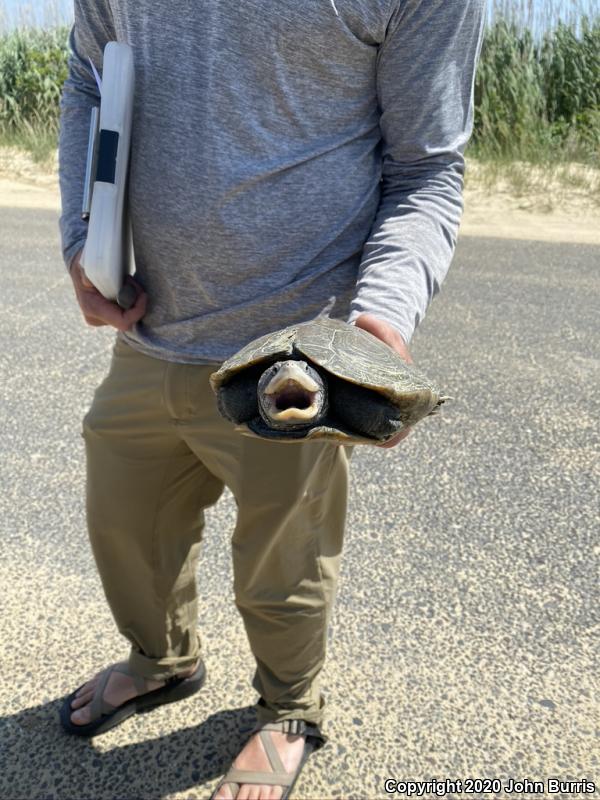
77	99
412	242
425	75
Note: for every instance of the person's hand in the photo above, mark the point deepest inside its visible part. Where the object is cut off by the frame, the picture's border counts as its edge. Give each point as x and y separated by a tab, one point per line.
382	330
97	310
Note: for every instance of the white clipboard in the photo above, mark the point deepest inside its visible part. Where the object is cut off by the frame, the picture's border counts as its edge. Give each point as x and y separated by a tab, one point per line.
107	256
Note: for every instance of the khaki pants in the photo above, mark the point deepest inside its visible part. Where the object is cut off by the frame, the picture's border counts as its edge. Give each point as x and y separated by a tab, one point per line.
158	453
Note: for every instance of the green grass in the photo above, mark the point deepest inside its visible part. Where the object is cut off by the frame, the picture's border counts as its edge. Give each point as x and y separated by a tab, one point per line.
39	141
33	68
537	88
538	99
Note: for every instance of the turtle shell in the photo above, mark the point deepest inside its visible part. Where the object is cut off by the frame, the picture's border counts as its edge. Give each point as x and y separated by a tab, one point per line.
269	347
347	352
357	356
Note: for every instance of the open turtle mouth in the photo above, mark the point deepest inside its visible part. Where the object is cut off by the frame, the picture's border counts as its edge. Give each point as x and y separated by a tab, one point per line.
293	402
292	395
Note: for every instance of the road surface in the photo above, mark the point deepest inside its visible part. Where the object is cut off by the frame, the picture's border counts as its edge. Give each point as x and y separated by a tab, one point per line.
465	638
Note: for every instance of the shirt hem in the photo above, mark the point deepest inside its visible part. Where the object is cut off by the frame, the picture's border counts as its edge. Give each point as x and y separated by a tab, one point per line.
166	355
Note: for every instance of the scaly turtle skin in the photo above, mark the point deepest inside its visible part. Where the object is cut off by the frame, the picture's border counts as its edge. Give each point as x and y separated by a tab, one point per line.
323	379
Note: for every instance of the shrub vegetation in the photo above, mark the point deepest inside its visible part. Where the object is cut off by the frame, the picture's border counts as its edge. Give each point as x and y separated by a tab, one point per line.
537	93
539	98
33	68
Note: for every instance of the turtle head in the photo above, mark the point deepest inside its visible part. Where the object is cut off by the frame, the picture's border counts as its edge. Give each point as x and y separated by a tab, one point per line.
291	394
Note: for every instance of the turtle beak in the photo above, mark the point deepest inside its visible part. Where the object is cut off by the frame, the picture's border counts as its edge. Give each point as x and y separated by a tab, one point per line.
292	395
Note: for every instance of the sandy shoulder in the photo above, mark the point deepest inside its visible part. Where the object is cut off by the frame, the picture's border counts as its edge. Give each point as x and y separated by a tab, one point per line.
526	203
18	194
548	212
502	218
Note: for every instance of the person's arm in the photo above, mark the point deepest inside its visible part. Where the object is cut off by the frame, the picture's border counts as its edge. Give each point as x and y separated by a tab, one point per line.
92	29
426	68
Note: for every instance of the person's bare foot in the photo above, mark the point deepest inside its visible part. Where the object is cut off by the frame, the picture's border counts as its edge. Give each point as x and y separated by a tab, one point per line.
119	689
253	757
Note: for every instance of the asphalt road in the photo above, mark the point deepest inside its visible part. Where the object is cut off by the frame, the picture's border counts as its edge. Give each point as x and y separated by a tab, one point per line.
465	639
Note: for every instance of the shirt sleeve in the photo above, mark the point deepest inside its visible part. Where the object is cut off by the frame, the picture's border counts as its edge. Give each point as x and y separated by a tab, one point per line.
93	27
425	76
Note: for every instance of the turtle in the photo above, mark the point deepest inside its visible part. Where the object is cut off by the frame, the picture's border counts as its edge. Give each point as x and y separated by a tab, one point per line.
322	379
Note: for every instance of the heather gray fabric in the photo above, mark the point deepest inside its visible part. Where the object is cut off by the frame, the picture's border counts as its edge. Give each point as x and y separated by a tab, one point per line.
283	152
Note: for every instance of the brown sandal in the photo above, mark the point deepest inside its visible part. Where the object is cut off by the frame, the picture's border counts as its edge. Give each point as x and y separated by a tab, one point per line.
106	716
314	740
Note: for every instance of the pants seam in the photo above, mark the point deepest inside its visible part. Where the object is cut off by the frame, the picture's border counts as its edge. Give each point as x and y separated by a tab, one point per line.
317	550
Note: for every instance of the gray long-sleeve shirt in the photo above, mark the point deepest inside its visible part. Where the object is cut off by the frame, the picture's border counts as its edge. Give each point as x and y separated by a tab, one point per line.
283	151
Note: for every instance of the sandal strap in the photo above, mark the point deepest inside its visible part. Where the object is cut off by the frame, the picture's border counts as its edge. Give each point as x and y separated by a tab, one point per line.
292	726
271	751
255	777
99	705
296	727
138	681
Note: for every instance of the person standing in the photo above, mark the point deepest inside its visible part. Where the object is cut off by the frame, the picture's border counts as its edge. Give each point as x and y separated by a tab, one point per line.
282	153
